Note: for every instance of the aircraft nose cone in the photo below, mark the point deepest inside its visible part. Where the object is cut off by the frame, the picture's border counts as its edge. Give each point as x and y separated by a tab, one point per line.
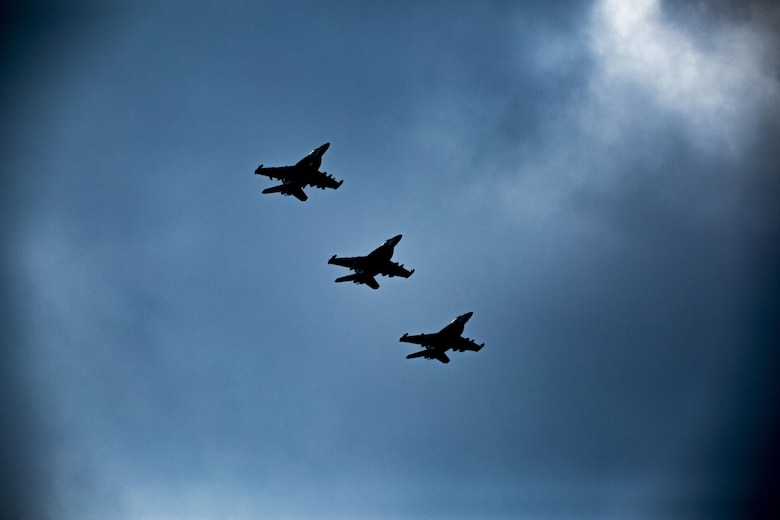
395	239
324	147
465	317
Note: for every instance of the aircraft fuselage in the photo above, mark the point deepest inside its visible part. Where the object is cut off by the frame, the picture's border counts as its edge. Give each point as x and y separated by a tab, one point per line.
381	254
455	327
313	161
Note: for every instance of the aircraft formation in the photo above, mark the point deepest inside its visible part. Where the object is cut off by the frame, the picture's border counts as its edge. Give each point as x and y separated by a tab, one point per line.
378	262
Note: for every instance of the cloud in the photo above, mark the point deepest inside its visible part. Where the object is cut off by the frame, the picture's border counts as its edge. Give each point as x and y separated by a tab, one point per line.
200	355
642	99
718	90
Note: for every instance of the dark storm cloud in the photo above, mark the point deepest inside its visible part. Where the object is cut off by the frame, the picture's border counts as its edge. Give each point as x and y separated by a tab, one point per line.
748	449
28	32
722	11
39	42
724	218
665	222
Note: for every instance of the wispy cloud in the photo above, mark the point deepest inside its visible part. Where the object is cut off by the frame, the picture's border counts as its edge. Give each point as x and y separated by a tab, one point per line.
654	90
718	89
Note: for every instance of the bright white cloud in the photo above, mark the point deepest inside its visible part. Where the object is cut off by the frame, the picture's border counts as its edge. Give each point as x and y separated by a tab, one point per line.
653	82
717	89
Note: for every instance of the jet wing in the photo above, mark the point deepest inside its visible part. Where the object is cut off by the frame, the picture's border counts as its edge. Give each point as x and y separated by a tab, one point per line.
322	180
463	344
347	261
278	172
418	339
395	269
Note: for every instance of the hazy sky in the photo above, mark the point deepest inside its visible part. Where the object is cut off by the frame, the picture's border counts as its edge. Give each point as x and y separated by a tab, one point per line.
596	180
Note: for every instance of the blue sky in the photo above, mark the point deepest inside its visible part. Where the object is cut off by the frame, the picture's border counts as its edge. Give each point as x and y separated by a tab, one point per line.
596	181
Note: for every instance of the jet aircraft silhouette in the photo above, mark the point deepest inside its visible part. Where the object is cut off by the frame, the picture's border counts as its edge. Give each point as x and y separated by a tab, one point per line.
375	263
304	173
437	343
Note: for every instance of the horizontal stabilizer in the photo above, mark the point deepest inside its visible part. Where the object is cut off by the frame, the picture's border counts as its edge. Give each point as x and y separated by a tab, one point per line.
299	194
428	354
441	356
286	189
358	278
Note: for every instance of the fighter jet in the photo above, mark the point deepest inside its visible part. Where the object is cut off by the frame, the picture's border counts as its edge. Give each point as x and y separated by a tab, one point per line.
438	343
304	173
377	262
